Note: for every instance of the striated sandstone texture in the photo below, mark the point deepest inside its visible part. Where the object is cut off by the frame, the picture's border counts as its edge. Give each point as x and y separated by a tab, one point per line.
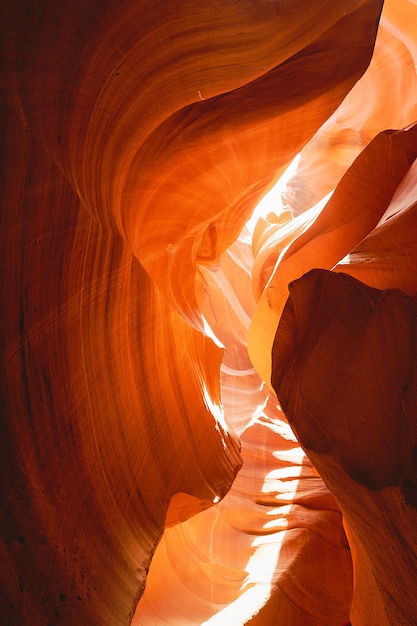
142	442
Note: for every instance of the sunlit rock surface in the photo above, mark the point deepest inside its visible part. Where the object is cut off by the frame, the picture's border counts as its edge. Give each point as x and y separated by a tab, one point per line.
139	313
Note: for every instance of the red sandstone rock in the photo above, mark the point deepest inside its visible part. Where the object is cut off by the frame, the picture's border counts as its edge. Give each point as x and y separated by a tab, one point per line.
137	140
344	368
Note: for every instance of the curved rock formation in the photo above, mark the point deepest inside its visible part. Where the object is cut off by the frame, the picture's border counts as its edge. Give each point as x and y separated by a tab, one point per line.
357	345
137	140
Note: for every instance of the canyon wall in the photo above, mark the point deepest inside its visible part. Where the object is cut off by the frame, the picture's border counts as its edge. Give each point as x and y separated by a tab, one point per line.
150	471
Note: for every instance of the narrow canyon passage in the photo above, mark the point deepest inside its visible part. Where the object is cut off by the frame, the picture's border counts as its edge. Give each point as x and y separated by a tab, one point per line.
208	408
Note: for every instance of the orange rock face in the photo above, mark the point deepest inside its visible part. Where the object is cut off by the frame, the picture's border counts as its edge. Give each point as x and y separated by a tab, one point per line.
358	344
142	444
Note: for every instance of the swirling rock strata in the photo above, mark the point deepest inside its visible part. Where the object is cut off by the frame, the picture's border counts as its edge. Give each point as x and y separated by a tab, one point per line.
104	385
138	138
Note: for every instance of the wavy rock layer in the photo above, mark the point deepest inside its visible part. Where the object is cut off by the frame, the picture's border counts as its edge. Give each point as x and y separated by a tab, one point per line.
94	432
137	140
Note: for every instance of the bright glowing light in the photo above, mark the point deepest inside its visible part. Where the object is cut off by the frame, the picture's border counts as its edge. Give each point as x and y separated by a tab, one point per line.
209	333
238	613
217	411
272	201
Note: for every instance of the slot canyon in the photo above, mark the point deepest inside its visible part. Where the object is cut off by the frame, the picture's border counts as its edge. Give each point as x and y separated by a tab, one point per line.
208	334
